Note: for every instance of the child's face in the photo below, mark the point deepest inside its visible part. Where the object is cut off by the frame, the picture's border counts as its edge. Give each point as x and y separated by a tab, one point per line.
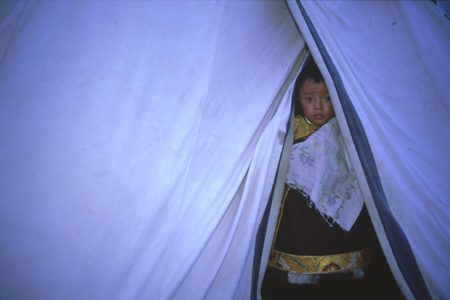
316	102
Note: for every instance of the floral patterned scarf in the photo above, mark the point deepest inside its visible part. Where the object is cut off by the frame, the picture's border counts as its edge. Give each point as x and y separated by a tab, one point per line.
318	168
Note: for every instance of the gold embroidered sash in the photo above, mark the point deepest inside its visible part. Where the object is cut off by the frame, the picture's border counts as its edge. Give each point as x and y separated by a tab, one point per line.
309	264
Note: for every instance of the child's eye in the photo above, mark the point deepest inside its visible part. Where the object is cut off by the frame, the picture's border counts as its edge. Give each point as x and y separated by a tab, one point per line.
327	99
308	99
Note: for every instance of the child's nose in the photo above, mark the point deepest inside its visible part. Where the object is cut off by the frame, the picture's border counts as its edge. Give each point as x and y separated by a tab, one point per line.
317	104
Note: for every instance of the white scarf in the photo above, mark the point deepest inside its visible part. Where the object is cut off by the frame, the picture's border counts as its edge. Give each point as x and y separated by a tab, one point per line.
318	168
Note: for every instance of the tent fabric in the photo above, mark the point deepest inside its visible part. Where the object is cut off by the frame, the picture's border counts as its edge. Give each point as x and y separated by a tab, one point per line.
139	142
391	56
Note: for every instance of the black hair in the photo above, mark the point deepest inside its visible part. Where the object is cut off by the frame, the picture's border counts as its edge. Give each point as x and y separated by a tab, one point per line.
309	70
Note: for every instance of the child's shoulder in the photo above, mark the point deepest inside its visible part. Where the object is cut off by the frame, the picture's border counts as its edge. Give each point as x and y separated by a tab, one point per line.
302	129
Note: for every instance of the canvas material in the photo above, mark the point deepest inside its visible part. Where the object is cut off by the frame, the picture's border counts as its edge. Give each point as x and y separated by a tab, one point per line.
139	143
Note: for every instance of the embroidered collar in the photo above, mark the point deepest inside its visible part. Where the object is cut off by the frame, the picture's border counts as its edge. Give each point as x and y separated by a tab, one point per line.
312	127
303	128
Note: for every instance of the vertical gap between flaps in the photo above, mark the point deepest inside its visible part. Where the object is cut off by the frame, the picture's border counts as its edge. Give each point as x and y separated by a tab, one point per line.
264	236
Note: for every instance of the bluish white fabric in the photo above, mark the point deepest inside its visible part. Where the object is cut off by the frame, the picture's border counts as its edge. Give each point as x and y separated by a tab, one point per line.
139	141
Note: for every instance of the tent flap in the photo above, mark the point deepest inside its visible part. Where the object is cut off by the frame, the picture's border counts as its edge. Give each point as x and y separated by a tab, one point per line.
396	93
138	143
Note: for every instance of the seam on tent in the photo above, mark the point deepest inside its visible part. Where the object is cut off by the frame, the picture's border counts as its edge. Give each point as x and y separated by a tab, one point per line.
440	11
397	239
177	208
12	33
364	91
419	61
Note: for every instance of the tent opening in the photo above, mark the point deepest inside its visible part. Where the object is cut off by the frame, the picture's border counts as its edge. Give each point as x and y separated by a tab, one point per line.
311	254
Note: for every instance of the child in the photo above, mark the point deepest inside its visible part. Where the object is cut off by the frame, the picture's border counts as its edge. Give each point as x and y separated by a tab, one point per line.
321	243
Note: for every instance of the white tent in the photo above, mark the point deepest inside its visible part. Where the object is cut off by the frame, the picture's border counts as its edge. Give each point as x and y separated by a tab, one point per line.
140	140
